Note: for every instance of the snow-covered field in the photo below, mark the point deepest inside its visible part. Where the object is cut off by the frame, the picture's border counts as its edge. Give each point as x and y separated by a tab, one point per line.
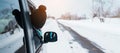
104	35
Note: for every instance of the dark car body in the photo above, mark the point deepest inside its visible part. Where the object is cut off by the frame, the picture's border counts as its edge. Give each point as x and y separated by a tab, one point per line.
17	34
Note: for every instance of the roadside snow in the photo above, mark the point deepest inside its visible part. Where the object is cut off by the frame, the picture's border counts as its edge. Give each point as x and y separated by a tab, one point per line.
105	36
62	45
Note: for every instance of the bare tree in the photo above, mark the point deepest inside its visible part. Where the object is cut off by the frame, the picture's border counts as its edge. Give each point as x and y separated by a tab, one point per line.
100	8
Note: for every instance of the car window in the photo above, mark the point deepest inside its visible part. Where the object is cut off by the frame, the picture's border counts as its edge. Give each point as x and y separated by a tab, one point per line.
11	34
6	16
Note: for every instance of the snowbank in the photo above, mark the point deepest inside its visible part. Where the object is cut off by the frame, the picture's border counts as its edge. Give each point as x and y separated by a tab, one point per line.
105	36
62	45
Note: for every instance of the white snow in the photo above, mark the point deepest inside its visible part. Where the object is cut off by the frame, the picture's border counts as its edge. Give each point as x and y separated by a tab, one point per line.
62	45
105	36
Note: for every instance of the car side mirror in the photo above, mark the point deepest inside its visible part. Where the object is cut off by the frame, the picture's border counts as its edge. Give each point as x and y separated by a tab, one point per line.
50	37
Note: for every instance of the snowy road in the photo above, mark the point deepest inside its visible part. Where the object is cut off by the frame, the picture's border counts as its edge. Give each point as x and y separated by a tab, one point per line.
81	40
105	36
68	40
76	37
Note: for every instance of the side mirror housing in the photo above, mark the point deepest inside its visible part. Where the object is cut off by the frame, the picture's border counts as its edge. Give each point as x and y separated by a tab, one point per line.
50	37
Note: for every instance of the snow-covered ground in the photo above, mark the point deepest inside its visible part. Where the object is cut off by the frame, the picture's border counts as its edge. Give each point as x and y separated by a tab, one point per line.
64	38
104	35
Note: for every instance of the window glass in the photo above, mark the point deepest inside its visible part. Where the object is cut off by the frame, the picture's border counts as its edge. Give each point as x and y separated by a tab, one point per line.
6	16
11	34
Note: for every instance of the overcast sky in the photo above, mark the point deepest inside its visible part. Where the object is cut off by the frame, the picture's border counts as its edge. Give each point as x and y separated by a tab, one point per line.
58	7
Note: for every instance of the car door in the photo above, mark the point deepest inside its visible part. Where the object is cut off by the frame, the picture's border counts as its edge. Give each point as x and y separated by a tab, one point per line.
32	42
16	31
11	33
